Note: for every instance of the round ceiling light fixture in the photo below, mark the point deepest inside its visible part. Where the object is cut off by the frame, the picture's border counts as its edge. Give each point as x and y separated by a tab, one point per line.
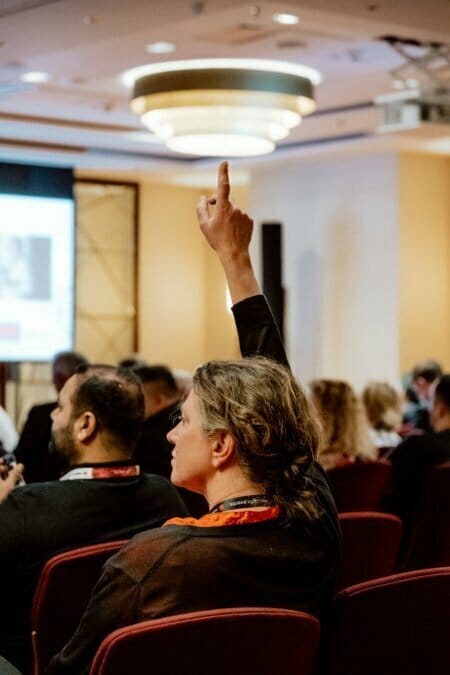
222	107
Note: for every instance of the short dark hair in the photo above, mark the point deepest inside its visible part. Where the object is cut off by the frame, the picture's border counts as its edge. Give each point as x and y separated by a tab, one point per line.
429	369
66	363
131	362
114	396
161	376
442	391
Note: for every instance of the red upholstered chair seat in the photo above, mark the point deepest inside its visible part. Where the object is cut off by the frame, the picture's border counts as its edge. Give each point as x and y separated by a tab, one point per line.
360	486
370	546
238	641
429	543
398	625
61	596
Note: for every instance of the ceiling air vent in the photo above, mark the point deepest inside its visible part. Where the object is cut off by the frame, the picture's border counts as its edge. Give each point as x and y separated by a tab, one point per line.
11	7
240	34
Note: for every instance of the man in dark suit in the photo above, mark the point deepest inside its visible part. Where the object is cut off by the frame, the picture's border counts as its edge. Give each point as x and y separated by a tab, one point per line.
103	497
33	446
412	458
153	451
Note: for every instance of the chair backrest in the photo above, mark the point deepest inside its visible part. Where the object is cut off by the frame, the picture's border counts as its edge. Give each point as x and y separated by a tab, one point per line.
360	486
429	543
370	546
61	596
399	624
238	641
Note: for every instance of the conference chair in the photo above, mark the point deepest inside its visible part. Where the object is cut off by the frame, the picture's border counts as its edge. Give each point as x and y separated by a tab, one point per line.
360	486
61	596
370	546
238	641
429	542
395	625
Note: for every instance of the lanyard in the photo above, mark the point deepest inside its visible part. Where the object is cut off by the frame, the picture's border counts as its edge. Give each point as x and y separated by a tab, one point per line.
241	502
101	472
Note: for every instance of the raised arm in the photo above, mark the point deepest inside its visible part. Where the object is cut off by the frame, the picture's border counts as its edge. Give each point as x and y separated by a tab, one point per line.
228	231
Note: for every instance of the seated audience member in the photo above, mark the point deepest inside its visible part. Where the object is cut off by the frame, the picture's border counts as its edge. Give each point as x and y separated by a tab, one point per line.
132	362
383	408
8	433
346	432
246	440
153	451
33	447
411	458
103	497
424	375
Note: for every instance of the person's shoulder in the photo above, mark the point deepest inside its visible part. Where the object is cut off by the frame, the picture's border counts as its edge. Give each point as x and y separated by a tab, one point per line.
147	551
33	498
413	450
414	442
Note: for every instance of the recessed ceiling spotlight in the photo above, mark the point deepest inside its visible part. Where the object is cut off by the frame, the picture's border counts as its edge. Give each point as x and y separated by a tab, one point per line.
286	19
35	76
161	47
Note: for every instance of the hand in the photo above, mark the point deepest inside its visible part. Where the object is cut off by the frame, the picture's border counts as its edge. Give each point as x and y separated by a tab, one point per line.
8	485
228	230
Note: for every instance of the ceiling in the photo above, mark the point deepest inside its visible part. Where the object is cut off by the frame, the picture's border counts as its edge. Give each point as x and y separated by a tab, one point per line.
81	116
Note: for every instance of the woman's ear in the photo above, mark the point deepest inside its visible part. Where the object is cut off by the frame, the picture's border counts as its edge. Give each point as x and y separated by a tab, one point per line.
85	426
223	449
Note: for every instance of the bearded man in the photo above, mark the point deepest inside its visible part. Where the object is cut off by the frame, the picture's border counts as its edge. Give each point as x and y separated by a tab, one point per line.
103	496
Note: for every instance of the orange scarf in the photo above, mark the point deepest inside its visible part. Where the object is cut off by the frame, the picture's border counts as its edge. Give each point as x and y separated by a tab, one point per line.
222	518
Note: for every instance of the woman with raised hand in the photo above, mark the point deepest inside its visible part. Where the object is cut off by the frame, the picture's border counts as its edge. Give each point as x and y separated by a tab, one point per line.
246	440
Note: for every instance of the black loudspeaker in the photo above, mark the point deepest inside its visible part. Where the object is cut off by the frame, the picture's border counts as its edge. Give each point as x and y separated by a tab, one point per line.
272	269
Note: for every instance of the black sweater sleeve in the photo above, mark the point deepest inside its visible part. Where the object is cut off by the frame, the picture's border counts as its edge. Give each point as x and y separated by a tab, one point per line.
257	331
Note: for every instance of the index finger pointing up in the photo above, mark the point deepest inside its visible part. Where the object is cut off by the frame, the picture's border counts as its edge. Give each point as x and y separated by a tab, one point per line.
223	184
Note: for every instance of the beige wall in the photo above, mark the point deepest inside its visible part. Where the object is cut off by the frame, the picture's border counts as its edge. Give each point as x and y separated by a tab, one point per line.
182	314
424	259
339	263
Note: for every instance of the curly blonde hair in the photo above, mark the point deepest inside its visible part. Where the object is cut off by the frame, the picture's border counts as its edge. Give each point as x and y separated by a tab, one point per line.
383	406
261	405
346	433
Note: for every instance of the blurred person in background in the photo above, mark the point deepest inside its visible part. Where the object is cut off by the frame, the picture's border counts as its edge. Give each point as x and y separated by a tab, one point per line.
383	408
153	451
415	455
423	376
346	432
162	399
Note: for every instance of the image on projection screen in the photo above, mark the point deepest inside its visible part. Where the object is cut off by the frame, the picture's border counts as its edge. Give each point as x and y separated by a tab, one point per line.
36	277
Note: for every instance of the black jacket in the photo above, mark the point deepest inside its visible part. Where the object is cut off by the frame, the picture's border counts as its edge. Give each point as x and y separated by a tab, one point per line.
32	449
410	463
37	521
